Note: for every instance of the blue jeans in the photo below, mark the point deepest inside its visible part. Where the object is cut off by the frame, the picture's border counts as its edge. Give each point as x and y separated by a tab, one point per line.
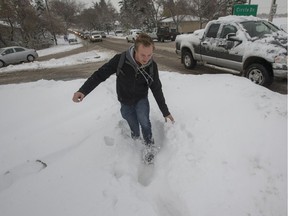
138	115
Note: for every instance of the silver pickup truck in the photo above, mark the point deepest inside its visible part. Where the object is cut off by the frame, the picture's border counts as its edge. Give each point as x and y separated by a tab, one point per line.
248	46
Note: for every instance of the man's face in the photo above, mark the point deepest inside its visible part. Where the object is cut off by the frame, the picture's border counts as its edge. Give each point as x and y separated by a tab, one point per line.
143	54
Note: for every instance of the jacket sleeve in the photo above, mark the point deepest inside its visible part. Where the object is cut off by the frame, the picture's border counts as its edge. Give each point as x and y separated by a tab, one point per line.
156	89
100	75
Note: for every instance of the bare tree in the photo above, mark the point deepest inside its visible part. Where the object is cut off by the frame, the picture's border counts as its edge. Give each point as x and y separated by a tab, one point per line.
66	10
8	14
88	19
177	10
99	17
154	9
141	14
207	10
204	10
27	20
21	15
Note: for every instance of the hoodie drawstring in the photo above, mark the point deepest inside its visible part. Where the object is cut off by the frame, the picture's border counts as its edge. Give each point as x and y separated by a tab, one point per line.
147	77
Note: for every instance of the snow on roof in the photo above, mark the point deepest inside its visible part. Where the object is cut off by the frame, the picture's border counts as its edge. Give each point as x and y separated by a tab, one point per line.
186	18
233	18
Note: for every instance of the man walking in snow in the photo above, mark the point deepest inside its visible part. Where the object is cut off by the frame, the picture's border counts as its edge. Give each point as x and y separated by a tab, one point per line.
136	72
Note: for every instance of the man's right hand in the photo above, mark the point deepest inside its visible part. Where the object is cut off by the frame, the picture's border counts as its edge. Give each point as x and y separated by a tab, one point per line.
78	97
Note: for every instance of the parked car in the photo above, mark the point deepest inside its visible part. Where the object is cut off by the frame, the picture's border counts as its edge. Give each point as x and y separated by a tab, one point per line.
119	33
86	35
72	38
16	54
103	34
133	34
163	33
95	36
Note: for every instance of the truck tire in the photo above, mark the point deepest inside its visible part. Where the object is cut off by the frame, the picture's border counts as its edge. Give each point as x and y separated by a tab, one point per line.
259	74
188	60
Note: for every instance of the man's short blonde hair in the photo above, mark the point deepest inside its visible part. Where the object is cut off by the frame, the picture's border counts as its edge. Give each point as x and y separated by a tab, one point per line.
145	40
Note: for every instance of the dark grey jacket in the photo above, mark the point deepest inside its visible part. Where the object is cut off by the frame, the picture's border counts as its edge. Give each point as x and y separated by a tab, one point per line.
132	82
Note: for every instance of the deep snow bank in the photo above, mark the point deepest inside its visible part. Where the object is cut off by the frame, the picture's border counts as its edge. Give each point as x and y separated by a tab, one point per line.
225	155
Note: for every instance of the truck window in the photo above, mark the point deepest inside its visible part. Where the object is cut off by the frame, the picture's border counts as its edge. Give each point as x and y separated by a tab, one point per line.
212	31
228	29
259	28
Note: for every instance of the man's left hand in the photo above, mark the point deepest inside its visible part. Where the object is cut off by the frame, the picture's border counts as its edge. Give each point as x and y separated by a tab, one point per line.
169	117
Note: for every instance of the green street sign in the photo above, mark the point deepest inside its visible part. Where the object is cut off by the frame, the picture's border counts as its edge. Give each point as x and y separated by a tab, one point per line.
245	10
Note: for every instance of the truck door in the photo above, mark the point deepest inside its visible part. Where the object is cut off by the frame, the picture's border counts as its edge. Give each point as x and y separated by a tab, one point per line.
228	55
208	45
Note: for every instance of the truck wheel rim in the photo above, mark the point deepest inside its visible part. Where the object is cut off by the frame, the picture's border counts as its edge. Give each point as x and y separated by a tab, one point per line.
187	61
256	76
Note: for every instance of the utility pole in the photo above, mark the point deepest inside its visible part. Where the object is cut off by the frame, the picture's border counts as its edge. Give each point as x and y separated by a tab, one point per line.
272	10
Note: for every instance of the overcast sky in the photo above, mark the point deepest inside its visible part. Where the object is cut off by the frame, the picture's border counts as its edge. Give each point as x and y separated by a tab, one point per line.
263	5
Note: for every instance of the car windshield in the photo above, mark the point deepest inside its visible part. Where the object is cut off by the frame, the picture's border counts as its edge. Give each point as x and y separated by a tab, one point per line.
1	50
259	28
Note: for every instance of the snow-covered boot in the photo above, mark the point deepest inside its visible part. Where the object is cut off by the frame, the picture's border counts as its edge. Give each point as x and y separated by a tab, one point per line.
149	153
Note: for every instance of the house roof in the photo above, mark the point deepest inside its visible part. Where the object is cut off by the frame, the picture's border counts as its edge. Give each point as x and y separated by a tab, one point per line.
183	18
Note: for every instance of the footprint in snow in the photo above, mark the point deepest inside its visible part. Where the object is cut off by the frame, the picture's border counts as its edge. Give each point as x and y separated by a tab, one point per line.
109	141
21	171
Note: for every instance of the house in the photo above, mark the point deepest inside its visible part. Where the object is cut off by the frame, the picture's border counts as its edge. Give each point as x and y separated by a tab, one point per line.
187	23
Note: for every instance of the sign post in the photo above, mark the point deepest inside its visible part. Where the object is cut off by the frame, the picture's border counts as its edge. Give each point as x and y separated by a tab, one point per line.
272	10
245	10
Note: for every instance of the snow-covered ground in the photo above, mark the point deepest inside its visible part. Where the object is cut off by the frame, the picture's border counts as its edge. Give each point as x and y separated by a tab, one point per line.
225	155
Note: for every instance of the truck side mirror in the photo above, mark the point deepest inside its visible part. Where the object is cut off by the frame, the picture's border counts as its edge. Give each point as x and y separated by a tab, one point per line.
233	37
